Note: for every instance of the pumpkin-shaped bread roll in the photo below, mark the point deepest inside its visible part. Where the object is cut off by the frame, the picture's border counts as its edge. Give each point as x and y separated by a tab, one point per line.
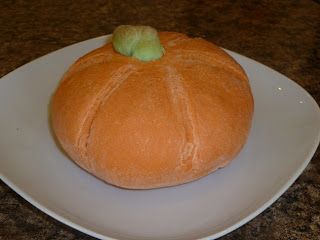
171	112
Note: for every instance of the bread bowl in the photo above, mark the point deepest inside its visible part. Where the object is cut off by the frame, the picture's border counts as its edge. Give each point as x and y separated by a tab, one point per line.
142	124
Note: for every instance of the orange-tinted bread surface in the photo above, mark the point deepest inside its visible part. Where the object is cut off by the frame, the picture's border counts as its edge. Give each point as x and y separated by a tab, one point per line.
142	125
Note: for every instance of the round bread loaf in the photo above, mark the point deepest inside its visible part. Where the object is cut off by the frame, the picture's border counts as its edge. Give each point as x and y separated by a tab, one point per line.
142	125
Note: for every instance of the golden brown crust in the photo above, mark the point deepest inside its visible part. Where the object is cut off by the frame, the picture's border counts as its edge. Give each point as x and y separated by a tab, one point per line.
154	124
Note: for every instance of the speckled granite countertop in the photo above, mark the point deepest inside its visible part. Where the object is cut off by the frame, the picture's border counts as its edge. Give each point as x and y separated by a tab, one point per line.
285	35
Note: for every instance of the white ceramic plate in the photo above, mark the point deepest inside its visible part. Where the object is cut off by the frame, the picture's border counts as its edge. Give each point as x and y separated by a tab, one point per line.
284	136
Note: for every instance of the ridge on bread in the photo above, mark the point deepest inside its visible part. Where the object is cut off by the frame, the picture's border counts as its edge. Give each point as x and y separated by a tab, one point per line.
143	125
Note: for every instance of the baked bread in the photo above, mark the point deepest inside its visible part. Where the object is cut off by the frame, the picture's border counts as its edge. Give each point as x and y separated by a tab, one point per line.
142	125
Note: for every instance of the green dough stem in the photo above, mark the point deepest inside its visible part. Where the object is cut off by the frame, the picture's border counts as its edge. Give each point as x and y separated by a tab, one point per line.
141	42
148	51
